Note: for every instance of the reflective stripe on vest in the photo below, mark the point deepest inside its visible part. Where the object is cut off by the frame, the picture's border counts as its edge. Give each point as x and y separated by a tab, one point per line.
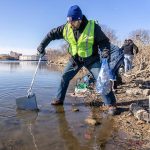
84	46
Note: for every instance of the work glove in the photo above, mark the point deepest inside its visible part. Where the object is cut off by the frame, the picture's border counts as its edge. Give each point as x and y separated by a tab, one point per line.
105	53
40	51
74	63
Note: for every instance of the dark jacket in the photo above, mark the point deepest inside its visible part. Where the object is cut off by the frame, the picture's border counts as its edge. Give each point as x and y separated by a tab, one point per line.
100	39
129	48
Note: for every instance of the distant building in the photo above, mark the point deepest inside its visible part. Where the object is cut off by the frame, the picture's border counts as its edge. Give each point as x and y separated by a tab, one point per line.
3	55
31	58
15	54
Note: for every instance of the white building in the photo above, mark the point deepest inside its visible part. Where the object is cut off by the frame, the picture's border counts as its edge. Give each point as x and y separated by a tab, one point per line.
31	58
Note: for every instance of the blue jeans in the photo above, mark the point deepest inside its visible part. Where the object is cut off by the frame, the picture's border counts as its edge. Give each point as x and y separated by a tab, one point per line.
70	71
128	62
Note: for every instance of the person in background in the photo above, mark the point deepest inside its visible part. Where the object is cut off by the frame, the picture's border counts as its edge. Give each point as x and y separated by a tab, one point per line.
85	37
129	50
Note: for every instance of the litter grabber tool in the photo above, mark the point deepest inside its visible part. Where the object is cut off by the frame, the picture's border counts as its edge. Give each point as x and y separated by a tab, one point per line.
29	102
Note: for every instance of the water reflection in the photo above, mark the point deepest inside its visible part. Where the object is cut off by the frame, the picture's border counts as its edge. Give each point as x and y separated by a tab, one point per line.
11	65
21	65
99	136
15	66
84	137
71	142
29	118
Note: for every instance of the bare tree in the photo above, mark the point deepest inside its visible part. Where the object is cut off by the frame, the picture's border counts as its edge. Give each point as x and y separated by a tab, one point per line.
111	34
58	55
64	47
141	36
52	54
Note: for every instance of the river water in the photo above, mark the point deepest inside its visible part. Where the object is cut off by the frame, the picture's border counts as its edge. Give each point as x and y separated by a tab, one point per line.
52	128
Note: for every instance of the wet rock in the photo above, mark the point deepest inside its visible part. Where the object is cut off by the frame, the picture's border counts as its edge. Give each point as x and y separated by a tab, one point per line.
75	109
146	92
138	82
139	112
91	121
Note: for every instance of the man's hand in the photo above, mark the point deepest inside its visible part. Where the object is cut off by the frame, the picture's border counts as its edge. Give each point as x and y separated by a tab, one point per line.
105	53
41	51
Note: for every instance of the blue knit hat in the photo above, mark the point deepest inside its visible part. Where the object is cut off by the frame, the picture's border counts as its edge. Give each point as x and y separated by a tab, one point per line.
74	13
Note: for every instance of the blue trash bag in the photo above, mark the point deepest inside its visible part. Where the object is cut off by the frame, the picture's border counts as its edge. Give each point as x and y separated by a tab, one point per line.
103	82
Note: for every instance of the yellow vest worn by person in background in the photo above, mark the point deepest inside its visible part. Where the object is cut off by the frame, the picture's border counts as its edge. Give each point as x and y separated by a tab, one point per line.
84	46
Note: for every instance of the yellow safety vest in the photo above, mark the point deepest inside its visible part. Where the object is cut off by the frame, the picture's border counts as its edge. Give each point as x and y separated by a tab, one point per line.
84	46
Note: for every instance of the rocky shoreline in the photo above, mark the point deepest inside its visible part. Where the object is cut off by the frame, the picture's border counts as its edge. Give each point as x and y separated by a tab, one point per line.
132	91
